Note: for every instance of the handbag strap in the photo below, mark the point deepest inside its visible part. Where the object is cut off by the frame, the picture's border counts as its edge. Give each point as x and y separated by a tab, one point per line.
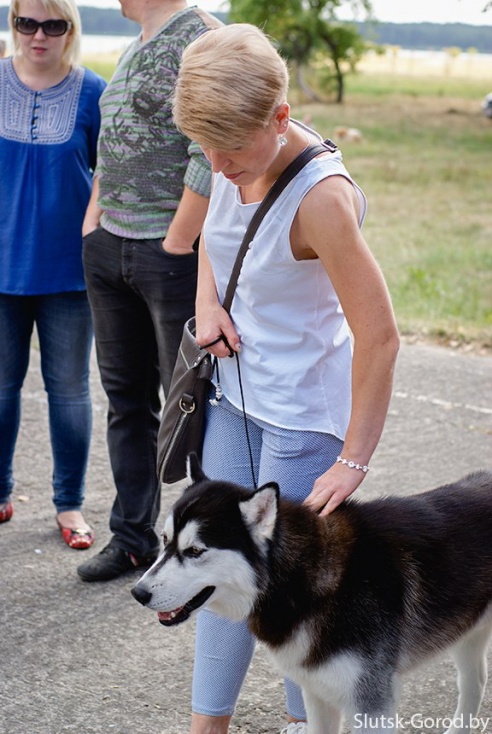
290	172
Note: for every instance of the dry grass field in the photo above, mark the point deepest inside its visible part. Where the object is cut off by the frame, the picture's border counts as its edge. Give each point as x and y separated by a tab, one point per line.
452	63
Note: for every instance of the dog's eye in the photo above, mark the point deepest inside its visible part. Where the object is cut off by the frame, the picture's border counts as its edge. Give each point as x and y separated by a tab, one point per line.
193	552
165	539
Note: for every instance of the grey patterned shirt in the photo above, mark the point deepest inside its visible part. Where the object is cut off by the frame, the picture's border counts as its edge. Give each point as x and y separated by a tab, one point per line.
143	160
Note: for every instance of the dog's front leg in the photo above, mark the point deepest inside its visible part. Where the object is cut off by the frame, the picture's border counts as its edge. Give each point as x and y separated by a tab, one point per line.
323	718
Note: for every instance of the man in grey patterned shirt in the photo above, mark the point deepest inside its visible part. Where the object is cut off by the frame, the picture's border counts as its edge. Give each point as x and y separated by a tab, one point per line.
148	205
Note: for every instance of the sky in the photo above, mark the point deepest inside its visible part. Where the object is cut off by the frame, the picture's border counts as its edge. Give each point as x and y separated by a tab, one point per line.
391	11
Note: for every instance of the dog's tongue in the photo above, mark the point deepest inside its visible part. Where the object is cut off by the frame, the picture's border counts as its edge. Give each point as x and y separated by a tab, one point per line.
181	614
166	616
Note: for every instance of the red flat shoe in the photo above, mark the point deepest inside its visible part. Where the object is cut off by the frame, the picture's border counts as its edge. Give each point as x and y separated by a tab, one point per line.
78	539
7	512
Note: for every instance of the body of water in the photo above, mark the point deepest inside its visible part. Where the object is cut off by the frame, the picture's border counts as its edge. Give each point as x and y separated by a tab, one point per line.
104	44
93	44
396	59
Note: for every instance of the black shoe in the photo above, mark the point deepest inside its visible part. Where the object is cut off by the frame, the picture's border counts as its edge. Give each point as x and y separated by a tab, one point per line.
110	563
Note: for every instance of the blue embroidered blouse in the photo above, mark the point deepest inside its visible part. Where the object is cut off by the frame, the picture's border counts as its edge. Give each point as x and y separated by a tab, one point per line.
47	154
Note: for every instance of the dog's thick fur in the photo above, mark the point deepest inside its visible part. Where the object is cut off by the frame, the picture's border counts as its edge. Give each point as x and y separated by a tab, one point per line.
345	603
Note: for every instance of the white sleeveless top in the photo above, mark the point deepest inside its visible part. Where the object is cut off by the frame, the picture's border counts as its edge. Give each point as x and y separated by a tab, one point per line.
296	349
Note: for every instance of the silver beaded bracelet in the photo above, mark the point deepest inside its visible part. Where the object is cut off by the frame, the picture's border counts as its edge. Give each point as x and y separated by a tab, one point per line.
353	465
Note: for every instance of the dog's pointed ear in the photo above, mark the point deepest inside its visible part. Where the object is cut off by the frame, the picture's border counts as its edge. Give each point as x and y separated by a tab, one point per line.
261	509
194	471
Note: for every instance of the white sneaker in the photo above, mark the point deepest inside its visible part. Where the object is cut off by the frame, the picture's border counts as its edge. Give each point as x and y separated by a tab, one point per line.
295	728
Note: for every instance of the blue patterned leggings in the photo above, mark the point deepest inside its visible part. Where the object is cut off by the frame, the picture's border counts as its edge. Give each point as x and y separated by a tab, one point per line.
293	459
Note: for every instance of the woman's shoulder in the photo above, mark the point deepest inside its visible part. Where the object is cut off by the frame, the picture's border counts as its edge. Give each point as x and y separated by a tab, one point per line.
329	183
322	168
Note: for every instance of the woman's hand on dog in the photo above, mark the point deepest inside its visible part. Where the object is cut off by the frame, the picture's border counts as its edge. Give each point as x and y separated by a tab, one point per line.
332	488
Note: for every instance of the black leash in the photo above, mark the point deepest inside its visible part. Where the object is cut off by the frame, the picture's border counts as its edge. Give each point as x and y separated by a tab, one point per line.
246	429
218	396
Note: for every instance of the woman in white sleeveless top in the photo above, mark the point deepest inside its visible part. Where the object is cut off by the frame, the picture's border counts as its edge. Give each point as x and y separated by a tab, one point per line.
311	318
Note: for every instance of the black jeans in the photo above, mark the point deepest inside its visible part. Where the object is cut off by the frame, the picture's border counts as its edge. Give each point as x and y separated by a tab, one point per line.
140	298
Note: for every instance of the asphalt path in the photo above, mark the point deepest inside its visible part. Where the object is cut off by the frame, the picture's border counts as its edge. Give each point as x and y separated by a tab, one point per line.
87	659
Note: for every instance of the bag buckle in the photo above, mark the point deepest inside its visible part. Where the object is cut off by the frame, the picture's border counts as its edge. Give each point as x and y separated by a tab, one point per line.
187	403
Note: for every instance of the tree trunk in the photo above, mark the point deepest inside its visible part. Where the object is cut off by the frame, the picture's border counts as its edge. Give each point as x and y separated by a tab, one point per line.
340	84
305	88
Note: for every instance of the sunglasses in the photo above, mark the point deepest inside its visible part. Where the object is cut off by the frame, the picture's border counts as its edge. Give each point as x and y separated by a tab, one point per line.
29	26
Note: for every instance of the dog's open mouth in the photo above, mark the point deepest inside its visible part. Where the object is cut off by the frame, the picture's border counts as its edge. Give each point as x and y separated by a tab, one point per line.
182	613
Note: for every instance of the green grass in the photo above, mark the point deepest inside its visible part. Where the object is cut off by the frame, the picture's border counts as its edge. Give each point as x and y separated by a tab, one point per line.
385	85
425	163
104	66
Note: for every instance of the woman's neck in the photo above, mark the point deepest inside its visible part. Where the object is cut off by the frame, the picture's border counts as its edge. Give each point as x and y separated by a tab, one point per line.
37	78
297	140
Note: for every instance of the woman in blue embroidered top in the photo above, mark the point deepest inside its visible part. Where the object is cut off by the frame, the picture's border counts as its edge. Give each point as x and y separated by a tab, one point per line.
49	123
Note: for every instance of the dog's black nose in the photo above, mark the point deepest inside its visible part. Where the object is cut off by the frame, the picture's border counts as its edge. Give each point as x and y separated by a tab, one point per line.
141	594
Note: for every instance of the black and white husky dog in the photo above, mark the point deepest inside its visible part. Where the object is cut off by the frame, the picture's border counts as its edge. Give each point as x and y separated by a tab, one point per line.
345	603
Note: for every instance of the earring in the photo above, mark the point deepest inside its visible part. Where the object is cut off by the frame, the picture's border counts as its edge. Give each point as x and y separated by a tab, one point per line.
282	140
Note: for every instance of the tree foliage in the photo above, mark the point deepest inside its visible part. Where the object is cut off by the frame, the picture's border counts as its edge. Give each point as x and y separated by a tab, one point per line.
308	32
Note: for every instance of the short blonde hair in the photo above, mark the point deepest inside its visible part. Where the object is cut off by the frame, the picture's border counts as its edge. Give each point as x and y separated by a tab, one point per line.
65	9
230	83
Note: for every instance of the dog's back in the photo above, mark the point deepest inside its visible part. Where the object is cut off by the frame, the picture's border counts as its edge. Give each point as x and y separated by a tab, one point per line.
418	567
442	543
